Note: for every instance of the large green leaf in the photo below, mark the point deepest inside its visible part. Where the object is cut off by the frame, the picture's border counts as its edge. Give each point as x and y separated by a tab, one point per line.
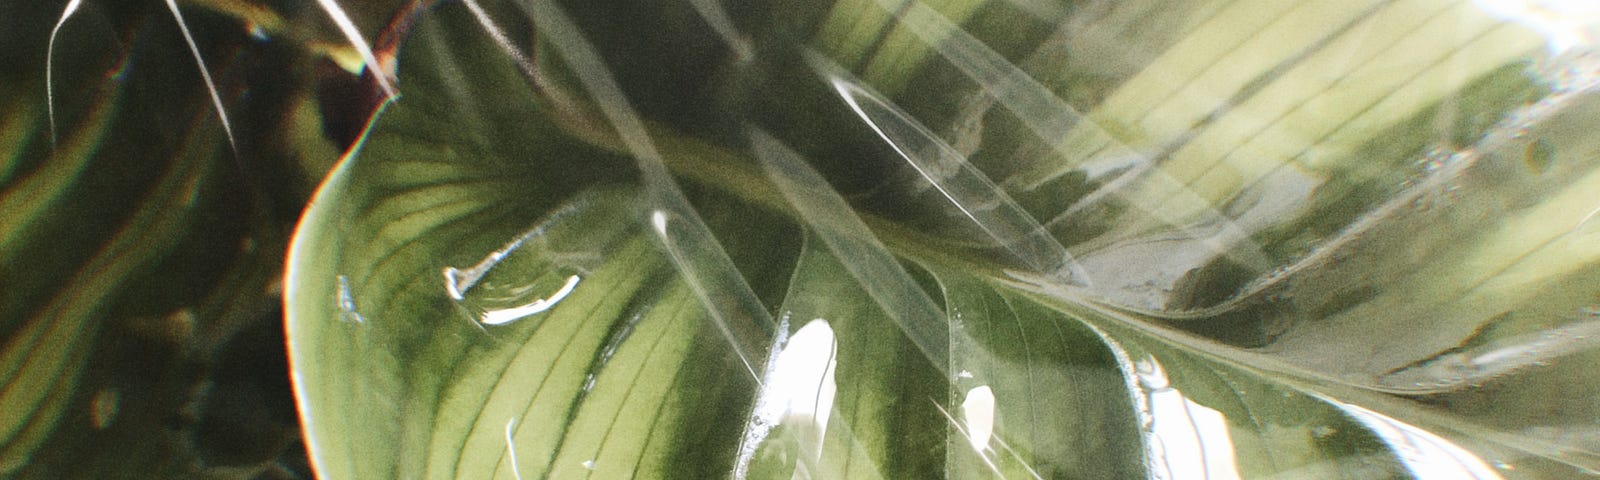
876	239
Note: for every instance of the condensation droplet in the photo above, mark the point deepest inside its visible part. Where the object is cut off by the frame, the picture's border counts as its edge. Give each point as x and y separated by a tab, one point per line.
530	274
506	298
347	302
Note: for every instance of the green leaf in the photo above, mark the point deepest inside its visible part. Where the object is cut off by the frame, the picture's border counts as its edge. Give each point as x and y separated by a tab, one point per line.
1315	240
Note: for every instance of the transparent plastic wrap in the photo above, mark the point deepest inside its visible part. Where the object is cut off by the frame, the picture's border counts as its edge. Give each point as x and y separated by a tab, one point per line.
946	239
883	239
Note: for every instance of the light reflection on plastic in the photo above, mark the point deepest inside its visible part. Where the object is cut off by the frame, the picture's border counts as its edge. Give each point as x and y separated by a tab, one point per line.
977	411
967	189
507	315
1186	439
1425	455
802	381
1565	24
658	219
1497	358
797	391
511	448
1585	227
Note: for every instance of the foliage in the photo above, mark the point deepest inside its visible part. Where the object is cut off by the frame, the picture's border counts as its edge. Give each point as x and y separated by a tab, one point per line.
852	239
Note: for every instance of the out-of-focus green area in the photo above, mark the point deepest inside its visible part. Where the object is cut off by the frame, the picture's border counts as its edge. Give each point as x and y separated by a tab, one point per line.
140	250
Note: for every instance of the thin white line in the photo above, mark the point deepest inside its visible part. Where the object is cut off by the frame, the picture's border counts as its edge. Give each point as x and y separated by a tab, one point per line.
722	24
49	70
500	37
205	73
704	265
353	35
963	431
1585	220
511	448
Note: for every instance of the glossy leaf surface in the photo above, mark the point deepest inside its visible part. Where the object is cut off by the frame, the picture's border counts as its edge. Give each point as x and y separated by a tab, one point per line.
876	239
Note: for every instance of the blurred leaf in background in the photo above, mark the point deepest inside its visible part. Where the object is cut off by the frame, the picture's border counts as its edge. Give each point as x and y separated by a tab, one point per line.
142	241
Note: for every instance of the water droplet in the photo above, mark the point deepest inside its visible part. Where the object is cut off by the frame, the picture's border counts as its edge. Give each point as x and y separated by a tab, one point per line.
588	464
347	302
512	283
532	273
505	299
